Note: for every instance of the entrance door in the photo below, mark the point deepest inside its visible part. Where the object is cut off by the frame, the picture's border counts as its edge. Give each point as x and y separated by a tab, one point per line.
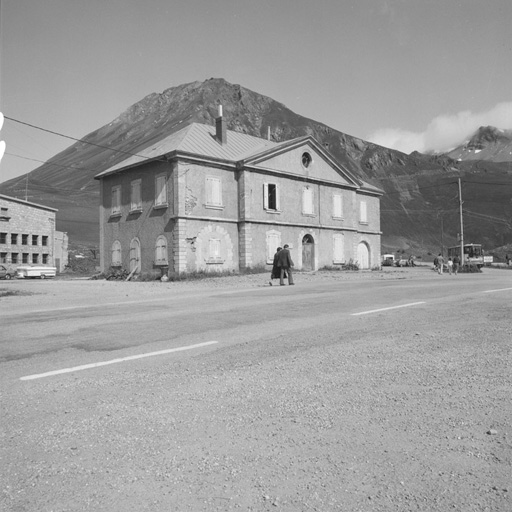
135	256
308	253
363	256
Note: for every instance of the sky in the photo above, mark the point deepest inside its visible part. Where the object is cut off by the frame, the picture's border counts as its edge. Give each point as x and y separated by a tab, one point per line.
408	74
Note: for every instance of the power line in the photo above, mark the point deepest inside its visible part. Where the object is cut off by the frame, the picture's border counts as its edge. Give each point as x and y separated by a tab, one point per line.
81	140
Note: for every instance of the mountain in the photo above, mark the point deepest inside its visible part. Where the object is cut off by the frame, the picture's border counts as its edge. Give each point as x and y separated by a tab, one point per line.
419	210
488	143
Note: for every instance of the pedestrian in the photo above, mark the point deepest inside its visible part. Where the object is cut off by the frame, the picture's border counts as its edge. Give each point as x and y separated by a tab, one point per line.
276	271
285	264
507	259
440	264
456	263
450	266
436	263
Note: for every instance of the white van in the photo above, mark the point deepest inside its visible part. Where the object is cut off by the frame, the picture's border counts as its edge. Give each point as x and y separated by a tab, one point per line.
32	271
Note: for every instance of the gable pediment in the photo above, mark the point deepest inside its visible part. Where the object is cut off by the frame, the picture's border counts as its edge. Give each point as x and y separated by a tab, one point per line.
303	157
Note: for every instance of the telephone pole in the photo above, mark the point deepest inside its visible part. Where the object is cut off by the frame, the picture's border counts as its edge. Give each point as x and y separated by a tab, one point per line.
461	226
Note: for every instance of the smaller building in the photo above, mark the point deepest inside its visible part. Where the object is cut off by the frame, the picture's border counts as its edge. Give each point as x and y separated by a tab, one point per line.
28	235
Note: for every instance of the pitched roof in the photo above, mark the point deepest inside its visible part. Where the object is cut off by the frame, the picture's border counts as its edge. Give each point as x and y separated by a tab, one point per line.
198	139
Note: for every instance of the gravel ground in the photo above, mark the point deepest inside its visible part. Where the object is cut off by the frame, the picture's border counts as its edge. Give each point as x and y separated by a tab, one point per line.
413	416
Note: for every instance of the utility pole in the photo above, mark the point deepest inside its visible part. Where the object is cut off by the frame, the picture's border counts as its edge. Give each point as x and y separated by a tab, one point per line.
461	226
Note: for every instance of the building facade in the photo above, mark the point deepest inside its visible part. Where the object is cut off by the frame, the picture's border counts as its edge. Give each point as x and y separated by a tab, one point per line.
27	233
209	199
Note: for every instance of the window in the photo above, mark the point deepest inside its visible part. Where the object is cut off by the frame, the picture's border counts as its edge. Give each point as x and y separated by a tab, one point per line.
116	254
337	248
161	191
136	199
273	242
24	257
45	259
306	160
3	238
14	257
35	239
135	256
161	251
44	241
213	192
363	214
14	238
35	258
4	213
214	249
271	200
115	208
24	239
337	206
307	201
3	257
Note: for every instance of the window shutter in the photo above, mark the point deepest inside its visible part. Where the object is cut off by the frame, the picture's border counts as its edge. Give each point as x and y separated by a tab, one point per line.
363	212
265	196
161	190
337	248
337	206
278	199
307	201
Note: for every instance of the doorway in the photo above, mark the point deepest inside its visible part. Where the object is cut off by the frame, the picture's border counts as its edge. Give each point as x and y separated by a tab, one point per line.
363	256
308	253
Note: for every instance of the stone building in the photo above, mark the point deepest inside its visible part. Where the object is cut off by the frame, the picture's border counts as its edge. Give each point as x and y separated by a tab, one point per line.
27	234
206	198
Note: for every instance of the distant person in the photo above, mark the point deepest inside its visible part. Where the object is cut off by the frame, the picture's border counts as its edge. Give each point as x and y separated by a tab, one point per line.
456	264
411	261
436	263
507	259
276	271
440	264
285	264
450	266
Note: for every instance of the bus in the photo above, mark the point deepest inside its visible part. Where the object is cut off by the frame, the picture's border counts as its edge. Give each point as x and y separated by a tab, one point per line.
472	254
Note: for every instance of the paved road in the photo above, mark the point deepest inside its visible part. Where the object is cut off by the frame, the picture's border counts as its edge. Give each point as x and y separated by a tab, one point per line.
374	392
47	335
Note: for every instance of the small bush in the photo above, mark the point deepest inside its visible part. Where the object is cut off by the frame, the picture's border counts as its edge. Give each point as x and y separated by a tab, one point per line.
469	268
113	274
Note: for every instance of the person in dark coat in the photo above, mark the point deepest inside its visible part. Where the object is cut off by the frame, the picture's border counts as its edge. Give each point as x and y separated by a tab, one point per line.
276	271
285	264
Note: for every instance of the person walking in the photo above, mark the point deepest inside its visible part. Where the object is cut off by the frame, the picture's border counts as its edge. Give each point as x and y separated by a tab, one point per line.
276	271
285	264
456	263
440	264
450	266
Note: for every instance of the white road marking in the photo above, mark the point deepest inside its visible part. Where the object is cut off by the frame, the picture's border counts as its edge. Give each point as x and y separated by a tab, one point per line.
387	309
114	361
499	290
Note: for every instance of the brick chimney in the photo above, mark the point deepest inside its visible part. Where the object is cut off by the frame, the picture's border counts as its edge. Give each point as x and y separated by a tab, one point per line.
221	133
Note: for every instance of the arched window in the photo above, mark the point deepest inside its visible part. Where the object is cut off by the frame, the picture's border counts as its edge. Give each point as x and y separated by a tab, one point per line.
116	254
161	251
135	256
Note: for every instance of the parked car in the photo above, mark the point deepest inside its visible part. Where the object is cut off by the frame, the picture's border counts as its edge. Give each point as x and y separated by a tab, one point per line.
7	273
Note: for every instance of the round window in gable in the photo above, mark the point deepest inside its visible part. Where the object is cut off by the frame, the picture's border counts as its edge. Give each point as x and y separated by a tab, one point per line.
306	160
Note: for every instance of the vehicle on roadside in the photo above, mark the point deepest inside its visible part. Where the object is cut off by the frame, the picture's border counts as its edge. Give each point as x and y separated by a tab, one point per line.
473	254
7	273
34	271
388	260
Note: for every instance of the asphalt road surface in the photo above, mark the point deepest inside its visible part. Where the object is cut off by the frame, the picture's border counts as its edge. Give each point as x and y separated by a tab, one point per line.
382	391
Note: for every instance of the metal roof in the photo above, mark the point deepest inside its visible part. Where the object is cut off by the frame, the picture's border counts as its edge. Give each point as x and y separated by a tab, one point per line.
199	139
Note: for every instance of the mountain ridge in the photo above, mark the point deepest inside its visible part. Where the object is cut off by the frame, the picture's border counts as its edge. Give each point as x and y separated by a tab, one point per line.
418	187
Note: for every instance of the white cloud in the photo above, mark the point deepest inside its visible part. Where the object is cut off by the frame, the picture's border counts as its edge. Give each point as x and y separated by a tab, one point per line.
444	132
